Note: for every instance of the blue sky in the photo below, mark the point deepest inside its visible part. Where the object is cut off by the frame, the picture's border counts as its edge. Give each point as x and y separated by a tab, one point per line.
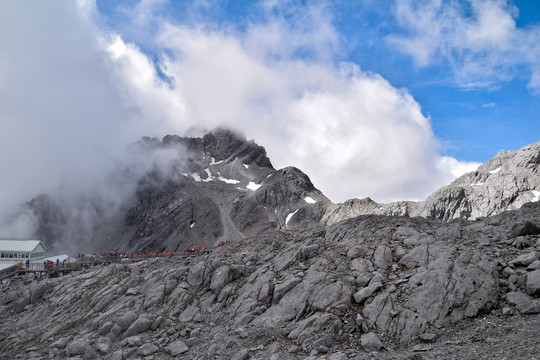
473	124
387	99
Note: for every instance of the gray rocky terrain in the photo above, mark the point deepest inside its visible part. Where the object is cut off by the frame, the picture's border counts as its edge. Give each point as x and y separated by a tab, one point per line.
372	286
453	277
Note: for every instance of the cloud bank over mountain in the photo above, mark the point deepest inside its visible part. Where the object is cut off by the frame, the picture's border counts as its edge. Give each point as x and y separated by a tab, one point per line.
75	93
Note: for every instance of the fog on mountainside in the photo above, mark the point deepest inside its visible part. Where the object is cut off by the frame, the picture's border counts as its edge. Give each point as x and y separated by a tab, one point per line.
71	217
183	192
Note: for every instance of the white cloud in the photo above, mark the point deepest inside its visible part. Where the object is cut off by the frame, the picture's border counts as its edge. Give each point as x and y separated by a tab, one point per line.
71	99
350	131
457	168
478	39
140	86
74	95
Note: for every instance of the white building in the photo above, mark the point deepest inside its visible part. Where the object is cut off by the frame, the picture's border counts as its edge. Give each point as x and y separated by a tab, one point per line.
21	250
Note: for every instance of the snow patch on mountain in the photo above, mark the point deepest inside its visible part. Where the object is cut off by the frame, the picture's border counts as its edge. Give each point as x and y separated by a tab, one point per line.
228	181
214	162
495	171
289	217
253	186
309	200
536	195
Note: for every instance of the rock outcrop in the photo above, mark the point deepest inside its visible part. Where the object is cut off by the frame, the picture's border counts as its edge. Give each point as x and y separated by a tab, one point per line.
372	283
506	182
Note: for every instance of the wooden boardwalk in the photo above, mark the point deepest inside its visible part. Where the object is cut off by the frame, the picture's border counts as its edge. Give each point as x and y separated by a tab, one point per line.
39	270
55	270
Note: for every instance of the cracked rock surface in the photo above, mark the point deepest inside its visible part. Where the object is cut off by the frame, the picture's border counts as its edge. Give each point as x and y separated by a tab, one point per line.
371	286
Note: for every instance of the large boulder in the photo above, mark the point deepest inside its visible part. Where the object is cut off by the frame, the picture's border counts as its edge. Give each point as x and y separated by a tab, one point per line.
176	348
524	260
140	325
370	342
533	283
220	278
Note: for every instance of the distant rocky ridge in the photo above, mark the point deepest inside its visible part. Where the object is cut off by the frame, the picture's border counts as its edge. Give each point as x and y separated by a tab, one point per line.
506	182
222	187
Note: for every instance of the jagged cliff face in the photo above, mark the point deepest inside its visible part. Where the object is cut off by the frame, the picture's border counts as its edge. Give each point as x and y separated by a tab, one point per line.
221	187
506	182
215	188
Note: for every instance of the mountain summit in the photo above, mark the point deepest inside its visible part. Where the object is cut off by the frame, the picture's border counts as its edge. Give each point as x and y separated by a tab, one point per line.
219	187
198	191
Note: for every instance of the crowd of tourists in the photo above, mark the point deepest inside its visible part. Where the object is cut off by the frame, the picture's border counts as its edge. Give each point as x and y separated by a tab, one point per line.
118	256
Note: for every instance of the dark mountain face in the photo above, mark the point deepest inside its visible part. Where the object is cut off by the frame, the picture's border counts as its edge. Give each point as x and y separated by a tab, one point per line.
198	191
203	190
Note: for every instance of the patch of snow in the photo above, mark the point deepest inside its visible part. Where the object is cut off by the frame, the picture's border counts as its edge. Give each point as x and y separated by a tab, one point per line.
495	171
477	184
225	180
275	211
228	181
309	200
196	177
269	176
536	195
214	162
253	186
185	174
246	166
290	216
192	225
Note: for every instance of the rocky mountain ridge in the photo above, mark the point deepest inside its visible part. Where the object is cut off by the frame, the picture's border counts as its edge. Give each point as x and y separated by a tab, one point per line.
211	189
505	182
221	187
303	279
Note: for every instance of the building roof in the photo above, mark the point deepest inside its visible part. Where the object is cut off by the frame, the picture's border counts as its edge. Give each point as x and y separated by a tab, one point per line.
21	246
